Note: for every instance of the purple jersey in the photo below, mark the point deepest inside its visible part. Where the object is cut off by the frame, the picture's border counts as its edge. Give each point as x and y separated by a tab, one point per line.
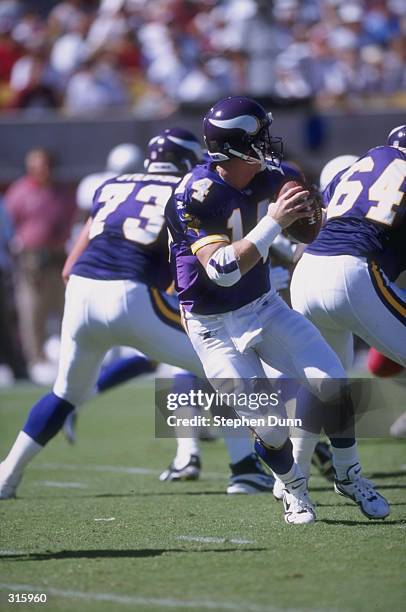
204	210
366	211
128	240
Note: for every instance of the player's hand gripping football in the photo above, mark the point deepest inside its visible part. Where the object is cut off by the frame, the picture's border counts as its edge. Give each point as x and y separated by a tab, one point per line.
290	206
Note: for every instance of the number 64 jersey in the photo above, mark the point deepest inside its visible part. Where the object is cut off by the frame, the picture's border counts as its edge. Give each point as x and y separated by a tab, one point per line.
127	238
366	211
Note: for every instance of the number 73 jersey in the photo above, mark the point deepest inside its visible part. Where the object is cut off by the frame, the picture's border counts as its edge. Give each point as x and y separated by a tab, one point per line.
366	211
128	238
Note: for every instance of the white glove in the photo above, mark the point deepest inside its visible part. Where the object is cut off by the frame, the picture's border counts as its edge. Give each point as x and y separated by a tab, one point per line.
279	278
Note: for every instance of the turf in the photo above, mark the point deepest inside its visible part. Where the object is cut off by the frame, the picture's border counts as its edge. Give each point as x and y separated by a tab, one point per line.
146	558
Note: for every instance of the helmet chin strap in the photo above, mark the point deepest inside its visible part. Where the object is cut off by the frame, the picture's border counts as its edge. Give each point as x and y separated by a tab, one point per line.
261	157
251	160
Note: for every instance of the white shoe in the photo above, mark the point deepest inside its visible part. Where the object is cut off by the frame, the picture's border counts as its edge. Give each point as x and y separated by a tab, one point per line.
278	489
398	428
8	485
298	508
361	490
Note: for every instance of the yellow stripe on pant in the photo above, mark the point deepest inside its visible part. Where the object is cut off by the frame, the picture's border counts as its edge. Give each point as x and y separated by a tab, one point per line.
167	313
393	302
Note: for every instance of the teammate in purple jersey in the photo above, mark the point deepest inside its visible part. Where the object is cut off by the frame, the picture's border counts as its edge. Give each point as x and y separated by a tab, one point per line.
234	320
344	282
366	214
112	299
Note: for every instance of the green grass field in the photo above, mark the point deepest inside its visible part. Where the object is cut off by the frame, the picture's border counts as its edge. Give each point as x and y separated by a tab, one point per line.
94	529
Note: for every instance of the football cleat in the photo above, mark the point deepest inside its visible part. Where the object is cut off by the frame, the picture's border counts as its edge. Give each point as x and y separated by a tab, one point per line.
361	490
248	477
298	508
323	460
191	471
8	485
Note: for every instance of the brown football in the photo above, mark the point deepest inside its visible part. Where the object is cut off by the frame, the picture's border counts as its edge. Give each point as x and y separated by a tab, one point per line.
304	230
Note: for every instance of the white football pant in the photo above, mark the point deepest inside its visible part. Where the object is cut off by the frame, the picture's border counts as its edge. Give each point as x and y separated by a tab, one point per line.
344	295
232	345
101	314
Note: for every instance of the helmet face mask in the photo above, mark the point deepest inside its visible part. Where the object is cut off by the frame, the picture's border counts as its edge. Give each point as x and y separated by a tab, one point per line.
238	127
174	150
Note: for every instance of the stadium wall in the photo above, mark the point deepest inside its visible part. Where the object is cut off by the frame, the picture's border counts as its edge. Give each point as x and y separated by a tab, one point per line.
81	145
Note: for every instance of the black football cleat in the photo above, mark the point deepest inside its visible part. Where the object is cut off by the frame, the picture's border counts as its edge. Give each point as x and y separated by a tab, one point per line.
191	471
249	477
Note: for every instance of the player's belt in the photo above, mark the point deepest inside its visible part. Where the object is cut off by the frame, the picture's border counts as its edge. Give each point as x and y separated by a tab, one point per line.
166	308
387	295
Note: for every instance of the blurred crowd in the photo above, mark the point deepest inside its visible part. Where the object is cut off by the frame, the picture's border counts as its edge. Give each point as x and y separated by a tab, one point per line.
148	57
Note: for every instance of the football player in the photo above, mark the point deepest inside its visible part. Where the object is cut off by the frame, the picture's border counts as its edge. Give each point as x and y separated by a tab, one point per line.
114	297
234	319
344	282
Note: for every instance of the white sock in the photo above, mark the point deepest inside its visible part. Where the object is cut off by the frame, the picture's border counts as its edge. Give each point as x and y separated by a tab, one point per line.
186	448
344	458
238	448
23	450
293	474
304	443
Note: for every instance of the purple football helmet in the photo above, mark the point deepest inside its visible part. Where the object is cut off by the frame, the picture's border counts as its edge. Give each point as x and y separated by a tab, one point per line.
240	127
174	150
397	137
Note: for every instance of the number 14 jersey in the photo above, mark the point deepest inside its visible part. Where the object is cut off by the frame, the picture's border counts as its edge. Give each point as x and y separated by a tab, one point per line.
127	238
366	211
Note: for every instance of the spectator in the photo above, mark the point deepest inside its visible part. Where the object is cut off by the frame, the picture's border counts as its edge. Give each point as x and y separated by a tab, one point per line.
96	87
42	214
71	49
65	15
34	82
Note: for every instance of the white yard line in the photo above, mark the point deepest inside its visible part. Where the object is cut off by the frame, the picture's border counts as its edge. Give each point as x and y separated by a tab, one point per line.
111	518
57	484
213	540
118	469
132	600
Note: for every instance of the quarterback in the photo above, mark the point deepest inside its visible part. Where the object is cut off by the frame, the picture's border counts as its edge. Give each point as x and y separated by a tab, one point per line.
234	319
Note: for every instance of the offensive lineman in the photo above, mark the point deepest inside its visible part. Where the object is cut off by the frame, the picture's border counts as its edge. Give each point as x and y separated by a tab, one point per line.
353	264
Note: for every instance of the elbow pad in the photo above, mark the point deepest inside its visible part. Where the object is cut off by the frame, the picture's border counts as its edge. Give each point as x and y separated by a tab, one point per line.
222	267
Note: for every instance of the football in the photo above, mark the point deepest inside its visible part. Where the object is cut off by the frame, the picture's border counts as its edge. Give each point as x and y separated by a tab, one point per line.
304	230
